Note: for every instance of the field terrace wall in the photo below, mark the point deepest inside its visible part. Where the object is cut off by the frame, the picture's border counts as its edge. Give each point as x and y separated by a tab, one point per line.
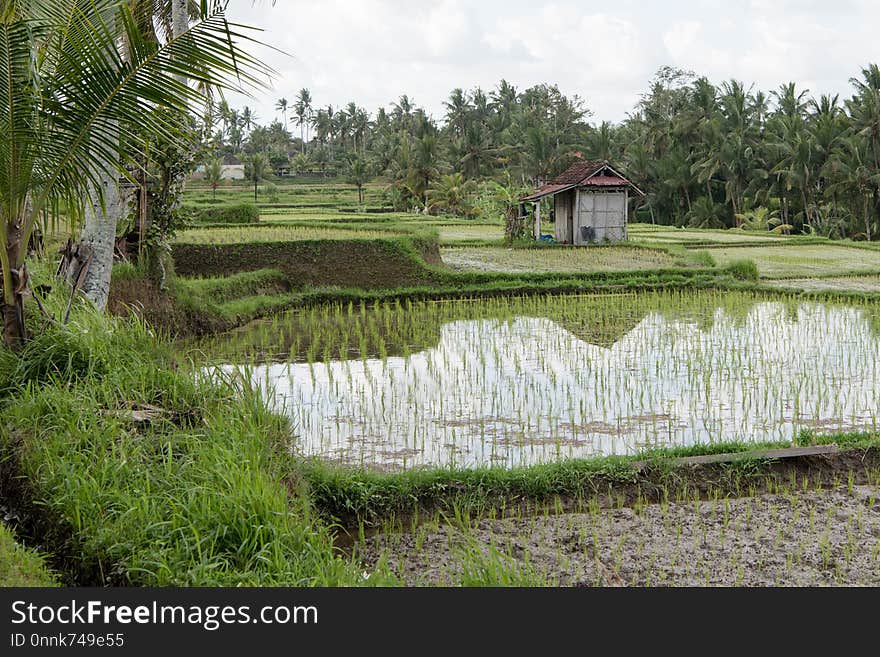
370	264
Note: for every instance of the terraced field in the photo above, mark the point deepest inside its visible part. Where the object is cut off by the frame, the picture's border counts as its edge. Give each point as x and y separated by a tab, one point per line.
594	259
802	261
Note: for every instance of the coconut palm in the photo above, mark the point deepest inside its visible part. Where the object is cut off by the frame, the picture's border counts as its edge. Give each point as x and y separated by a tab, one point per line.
69	95
281	106
303	109
214	175
358	173
451	193
256	170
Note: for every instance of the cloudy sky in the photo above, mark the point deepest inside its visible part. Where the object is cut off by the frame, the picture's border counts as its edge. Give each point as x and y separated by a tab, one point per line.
373	51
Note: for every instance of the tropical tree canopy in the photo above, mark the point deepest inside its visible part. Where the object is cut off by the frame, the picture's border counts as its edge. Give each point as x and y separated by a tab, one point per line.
77	79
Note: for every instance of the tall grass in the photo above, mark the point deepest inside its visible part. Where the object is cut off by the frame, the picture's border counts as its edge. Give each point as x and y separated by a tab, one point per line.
144	472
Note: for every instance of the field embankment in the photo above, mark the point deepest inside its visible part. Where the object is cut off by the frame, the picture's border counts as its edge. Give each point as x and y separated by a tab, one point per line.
132	467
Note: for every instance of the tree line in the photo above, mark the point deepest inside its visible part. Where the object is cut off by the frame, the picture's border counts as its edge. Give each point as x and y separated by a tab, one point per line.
707	155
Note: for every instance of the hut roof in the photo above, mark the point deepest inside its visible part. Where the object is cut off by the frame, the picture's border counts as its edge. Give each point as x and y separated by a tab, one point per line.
583	173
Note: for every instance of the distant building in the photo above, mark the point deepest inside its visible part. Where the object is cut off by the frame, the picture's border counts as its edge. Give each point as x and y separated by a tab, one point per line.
590	201
232	172
231	169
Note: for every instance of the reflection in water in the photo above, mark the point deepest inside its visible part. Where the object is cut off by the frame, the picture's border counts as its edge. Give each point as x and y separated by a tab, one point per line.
524	390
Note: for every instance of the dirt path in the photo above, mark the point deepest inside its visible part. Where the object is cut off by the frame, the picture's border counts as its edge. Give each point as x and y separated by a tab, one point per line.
804	538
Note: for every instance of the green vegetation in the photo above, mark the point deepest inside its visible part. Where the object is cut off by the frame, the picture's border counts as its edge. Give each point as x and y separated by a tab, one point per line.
279	233
142	470
380	344
20	566
742	269
708	155
238	213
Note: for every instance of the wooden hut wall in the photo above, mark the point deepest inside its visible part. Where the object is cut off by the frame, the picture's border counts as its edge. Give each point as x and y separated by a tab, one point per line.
563	208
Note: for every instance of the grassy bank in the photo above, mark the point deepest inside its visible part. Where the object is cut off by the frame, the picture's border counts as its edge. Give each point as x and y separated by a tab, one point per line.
134	468
222	285
360	500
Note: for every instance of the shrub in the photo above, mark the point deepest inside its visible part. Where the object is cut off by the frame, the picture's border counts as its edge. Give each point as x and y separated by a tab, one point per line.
743	270
238	213
705	259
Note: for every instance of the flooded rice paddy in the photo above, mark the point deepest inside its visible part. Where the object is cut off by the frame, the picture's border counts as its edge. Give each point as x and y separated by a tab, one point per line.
518	382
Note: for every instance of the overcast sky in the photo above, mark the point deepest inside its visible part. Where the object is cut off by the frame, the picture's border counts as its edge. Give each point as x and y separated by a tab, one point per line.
373	51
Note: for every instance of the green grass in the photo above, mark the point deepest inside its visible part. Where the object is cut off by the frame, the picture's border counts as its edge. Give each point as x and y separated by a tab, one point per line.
356	497
690	236
287	193
143	470
457	233
20	566
251	234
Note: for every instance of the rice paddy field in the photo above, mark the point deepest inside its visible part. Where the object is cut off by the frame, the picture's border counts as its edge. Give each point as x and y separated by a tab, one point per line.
289	193
562	259
869	284
458	233
384	391
691	236
277	233
518	382
794	535
801	261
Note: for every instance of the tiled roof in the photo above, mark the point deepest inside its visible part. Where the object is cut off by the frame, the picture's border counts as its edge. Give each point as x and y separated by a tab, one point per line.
578	171
546	190
582	173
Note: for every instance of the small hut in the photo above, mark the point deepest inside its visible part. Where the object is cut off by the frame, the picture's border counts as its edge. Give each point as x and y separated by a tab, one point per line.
590	203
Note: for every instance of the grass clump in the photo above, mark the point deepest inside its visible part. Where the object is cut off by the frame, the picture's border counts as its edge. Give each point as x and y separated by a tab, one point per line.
743	269
20	566
231	213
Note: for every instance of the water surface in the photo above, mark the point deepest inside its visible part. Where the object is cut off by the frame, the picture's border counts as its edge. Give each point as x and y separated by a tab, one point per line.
523	389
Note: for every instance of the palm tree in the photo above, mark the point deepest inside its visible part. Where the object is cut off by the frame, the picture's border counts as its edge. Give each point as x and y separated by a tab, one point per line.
247	120
303	109
281	106
321	158
425	166
301	163
457	110
601	142
256	169
68	102
358	173
451	193
214	175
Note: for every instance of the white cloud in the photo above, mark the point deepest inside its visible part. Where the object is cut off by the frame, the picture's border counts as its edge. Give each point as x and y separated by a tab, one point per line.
373	51
681	38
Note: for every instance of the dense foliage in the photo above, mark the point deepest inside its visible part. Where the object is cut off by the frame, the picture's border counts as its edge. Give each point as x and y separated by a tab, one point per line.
708	155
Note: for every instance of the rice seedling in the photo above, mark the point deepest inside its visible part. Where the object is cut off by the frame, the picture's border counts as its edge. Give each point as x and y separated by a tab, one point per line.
508	382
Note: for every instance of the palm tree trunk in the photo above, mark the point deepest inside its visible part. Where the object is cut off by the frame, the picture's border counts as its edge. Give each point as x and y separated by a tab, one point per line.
102	214
13	306
806	208
99	236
